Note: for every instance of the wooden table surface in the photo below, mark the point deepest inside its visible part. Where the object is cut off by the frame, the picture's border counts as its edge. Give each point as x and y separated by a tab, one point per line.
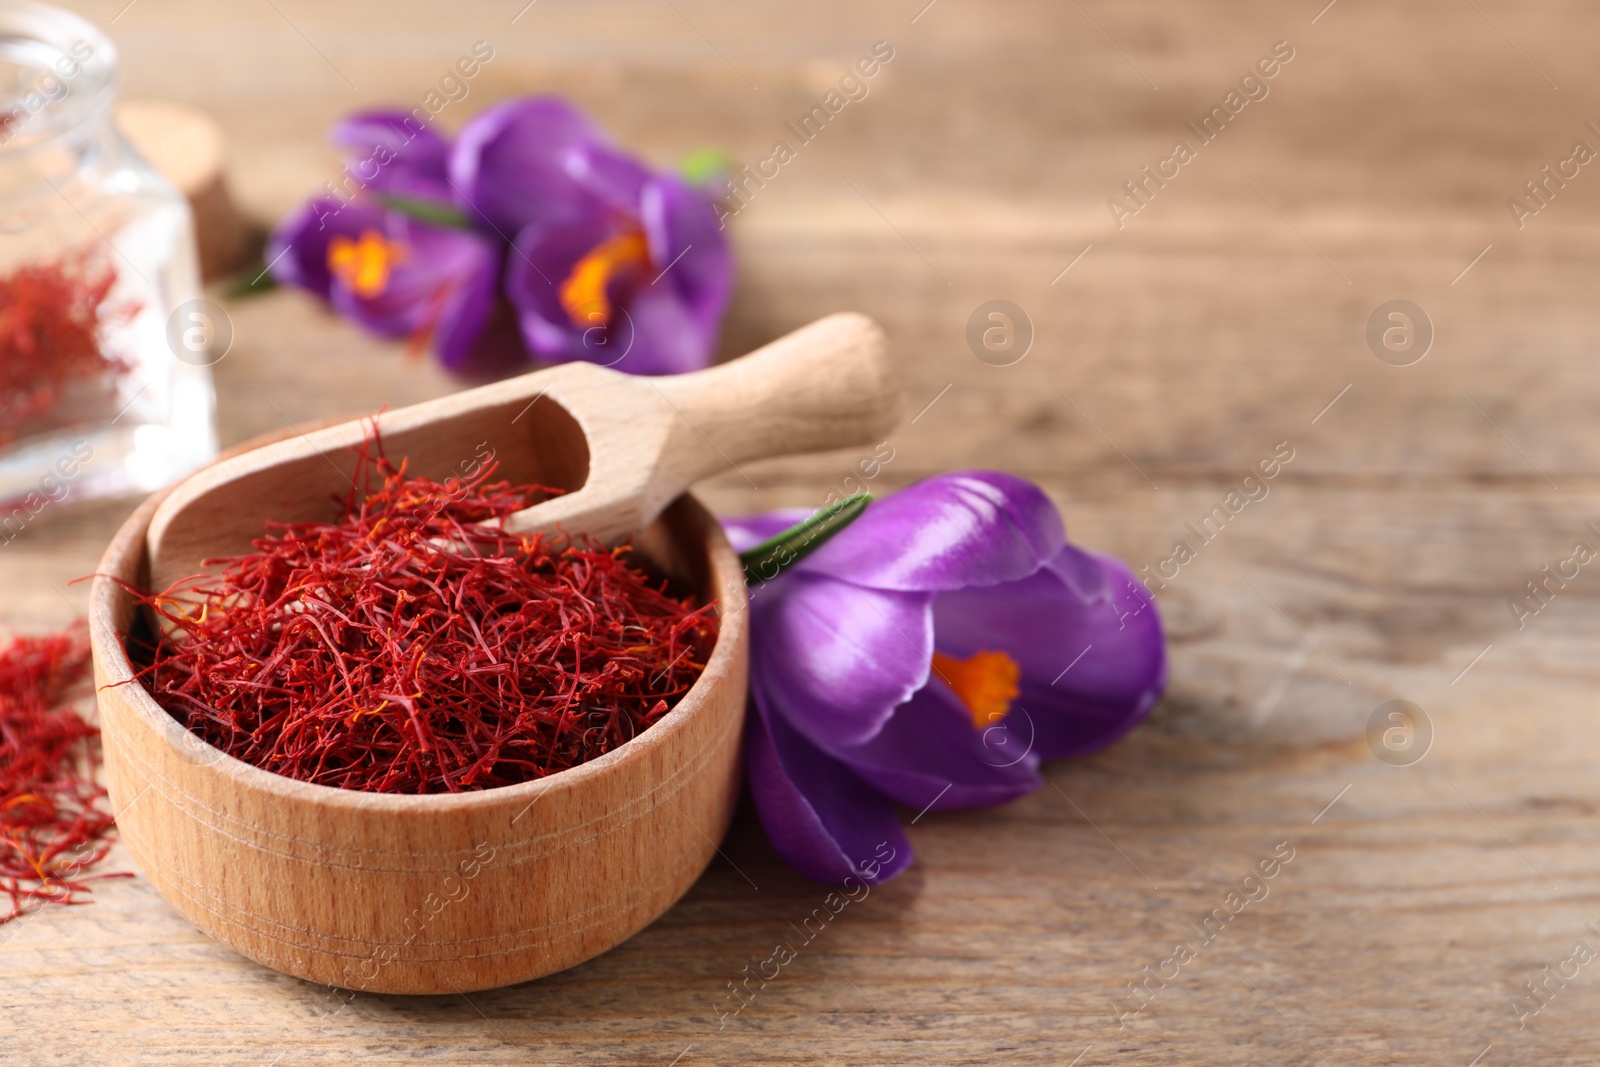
1227	316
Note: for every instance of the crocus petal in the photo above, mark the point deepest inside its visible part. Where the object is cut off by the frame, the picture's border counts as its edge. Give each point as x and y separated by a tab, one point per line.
540	259
930	756
652	329
837	659
953	531
610	175
543	175
1086	637
507	165
467	311
393	151
446	281
687	242
659	335
824	821
297	248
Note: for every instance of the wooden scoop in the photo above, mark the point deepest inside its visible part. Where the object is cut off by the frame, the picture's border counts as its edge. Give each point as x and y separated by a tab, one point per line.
624	446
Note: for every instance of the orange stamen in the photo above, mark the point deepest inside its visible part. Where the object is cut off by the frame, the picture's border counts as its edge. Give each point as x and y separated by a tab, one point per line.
583	293
363	265
984	682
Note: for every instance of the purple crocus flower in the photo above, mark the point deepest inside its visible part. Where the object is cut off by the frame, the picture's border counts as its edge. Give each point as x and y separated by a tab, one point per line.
605	259
611	262
391	152
932	653
396	274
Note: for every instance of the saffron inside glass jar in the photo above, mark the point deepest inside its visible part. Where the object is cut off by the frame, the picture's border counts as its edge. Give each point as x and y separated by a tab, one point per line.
97	273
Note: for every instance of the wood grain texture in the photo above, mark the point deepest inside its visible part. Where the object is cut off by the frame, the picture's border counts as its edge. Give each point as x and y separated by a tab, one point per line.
1180	348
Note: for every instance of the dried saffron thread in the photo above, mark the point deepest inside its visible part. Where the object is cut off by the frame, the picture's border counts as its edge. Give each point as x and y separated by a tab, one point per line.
52	827
53	317
413	646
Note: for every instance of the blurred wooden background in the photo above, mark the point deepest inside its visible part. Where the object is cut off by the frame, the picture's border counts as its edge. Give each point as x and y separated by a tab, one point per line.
1224	318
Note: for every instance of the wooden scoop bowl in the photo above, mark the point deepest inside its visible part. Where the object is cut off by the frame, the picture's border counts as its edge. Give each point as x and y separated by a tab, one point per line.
450	893
623	446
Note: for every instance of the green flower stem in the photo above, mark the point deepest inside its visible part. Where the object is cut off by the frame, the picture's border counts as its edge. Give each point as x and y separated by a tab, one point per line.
250	282
771	557
705	165
426	210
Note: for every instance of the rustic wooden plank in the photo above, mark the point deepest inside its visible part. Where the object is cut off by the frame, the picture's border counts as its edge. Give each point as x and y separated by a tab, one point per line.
1220	320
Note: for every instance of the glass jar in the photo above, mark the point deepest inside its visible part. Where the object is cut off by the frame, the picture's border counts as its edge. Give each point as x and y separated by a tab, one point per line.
103	388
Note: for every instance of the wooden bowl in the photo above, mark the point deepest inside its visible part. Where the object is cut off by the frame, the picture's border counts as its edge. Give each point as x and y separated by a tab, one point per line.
439	893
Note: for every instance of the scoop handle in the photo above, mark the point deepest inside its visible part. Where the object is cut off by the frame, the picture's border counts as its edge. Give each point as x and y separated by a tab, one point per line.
826	385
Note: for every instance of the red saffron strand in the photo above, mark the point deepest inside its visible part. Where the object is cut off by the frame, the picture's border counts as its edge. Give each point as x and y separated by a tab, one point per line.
52	827
413	646
52	320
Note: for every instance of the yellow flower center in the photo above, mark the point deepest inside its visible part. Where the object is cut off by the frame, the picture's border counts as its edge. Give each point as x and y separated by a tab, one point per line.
583	293
985	682
363	265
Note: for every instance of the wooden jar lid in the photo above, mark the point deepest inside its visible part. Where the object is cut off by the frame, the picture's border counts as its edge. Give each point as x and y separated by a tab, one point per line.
187	148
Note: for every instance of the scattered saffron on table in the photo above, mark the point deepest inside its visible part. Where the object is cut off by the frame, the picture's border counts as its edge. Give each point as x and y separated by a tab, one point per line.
413	646
52	825
53	320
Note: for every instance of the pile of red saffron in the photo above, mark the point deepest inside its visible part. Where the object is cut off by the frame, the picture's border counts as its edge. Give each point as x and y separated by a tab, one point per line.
52	318
412	646
52	827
